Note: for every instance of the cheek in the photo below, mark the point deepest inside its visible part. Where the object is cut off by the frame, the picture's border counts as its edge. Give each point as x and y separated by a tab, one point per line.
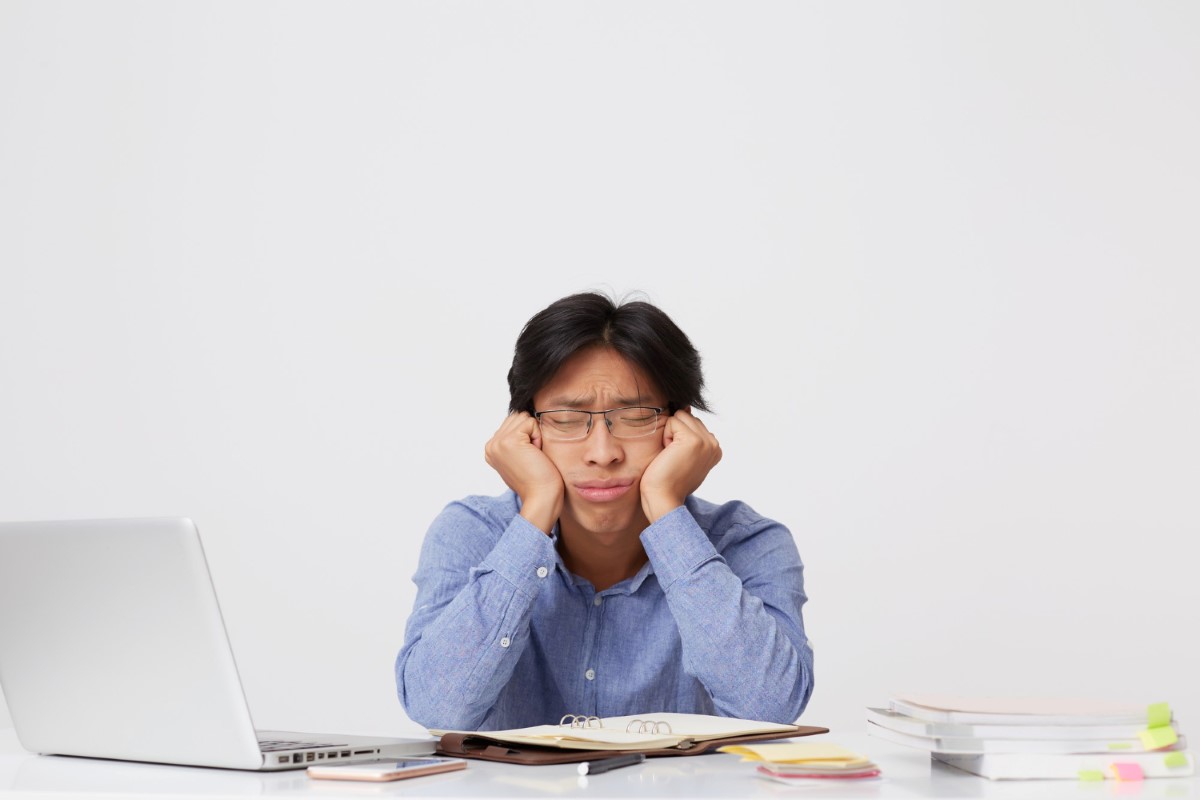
647	454
556	455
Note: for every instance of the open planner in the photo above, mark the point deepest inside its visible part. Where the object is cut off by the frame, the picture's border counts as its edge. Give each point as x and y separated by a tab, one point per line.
582	738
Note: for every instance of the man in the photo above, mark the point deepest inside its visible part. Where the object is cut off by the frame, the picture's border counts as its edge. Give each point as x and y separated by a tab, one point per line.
600	585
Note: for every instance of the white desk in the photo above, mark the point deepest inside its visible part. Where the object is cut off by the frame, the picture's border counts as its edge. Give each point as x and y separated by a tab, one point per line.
906	774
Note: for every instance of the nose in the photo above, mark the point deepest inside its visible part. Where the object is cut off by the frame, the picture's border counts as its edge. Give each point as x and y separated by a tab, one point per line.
600	446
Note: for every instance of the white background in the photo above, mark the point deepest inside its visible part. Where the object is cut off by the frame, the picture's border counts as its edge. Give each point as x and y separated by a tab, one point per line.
263	265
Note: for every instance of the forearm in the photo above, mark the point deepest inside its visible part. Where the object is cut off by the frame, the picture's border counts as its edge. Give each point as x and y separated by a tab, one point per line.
460	653
748	650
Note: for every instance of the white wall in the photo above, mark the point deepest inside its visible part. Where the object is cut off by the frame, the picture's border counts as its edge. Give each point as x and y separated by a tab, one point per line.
263	265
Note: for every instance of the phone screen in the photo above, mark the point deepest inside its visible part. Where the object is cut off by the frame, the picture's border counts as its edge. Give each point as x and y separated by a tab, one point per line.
386	769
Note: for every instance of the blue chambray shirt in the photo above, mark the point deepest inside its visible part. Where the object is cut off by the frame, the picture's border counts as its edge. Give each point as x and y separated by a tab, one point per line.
503	636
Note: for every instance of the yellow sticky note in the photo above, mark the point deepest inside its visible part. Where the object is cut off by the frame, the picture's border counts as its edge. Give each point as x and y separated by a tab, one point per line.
1159	715
1091	775
793	752
1158	738
1119	745
1175	760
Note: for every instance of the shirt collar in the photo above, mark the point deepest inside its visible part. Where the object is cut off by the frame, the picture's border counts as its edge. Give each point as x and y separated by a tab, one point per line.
627	586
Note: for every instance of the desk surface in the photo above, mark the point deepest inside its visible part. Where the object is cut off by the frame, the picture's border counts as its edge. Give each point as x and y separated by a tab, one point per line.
906	774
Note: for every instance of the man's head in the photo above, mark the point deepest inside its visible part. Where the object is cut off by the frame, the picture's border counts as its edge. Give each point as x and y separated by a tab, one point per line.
637	331
587	353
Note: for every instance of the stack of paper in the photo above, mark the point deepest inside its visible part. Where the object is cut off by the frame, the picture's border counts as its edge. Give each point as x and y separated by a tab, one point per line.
1004	738
802	761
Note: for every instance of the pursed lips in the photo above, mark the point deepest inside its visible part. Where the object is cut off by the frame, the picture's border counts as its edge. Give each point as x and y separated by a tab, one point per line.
603	491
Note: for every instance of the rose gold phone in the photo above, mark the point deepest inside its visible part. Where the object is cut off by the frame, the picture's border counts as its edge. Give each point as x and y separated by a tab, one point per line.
386	769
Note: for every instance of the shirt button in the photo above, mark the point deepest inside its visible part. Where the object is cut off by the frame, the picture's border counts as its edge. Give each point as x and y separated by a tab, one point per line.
590	674
542	572
597	600
505	642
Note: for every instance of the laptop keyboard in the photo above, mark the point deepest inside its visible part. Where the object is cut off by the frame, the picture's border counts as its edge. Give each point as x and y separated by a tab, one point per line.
273	745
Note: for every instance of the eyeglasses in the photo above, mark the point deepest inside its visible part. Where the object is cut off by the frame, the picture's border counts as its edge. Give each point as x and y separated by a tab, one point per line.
568	425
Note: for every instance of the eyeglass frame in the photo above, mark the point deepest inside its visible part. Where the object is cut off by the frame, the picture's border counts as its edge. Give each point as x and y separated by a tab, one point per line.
607	422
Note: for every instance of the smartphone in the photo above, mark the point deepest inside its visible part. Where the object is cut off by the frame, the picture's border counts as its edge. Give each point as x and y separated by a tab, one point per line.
386	769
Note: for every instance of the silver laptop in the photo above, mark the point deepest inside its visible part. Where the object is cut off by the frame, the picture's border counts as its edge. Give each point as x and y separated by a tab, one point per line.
112	646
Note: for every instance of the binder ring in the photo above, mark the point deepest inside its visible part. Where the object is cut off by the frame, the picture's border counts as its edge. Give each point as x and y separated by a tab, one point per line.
647	726
580	721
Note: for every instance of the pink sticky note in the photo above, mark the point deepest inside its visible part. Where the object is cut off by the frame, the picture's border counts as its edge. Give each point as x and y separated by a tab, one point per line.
1127	772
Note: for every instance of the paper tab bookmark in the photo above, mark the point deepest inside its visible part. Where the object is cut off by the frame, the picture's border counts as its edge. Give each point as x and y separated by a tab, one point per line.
1158	738
1127	772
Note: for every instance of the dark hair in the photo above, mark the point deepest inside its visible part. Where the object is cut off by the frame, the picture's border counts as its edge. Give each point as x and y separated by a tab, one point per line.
638	331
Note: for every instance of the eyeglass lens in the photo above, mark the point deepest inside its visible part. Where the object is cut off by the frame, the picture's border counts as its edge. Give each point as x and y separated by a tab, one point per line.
623	423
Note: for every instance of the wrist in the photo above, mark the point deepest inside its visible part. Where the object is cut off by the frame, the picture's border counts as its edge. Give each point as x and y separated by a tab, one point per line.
541	513
657	506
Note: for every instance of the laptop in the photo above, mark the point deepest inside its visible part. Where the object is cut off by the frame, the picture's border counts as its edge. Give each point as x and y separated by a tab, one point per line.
112	645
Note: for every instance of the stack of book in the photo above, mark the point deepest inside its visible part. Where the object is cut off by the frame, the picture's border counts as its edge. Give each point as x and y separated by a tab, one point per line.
1029	738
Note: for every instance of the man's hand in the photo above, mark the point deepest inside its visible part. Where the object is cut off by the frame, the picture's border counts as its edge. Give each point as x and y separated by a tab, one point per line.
515	451
689	454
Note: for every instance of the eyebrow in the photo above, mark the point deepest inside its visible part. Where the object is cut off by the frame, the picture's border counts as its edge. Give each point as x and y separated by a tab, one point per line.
584	402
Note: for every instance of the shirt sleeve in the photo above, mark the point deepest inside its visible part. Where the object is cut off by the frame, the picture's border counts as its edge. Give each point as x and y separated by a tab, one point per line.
738	613
470	622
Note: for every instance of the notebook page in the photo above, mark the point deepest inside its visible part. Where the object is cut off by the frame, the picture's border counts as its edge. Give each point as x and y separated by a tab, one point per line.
701	726
1063	706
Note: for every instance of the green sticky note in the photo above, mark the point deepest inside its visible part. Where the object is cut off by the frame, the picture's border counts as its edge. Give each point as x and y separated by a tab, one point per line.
1158	738
1175	760
1119	745
1159	714
1091	775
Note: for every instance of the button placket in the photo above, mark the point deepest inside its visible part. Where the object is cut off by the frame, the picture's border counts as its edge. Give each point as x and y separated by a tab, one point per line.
592	612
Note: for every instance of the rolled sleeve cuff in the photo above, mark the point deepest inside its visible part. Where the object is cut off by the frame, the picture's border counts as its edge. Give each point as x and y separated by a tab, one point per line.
524	556
677	546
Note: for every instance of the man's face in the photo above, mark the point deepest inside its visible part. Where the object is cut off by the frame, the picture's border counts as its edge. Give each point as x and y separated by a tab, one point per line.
601	473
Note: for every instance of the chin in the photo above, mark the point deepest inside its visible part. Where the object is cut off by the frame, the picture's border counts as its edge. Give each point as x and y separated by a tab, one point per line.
603	520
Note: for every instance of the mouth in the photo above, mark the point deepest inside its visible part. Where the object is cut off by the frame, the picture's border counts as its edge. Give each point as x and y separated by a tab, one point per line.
603	491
